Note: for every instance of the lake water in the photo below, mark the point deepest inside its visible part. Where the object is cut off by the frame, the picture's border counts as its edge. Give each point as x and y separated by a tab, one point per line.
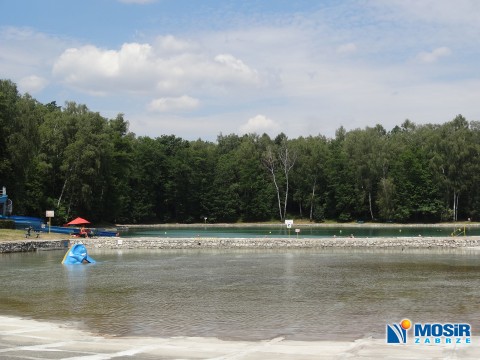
306	231
245	294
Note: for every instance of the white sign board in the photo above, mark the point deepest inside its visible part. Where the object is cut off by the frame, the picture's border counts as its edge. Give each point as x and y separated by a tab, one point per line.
297	230
289	223
50	213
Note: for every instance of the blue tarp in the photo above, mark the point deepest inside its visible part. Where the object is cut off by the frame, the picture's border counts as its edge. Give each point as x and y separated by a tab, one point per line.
23	222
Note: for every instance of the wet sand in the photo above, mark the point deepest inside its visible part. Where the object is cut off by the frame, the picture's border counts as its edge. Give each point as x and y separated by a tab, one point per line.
31	339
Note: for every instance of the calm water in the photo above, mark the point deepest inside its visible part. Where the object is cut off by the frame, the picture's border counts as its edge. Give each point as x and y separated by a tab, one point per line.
299	294
305	231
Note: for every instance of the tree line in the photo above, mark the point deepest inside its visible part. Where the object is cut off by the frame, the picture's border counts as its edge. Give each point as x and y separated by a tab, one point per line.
79	163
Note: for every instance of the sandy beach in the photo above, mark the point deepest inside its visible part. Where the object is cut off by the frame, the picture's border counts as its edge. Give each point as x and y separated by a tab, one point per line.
31	339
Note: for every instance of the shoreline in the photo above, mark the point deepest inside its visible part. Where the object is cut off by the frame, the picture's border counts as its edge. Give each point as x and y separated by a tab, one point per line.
282	243
467	242
303	224
26	338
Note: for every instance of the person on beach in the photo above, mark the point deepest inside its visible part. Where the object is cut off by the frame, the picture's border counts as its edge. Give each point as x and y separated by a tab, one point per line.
83	232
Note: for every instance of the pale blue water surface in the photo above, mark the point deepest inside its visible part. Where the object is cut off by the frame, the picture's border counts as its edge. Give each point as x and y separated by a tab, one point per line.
306	231
245	294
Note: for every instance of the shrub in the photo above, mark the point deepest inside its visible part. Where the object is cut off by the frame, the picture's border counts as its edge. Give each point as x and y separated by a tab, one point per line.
7	224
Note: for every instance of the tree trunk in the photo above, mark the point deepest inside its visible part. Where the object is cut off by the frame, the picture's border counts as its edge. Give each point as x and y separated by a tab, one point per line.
287	161
269	162
312	198
370	203
286	196
61	194
456	197
278	197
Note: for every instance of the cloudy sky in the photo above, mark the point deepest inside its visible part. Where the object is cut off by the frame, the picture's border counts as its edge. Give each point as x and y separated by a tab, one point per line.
198	68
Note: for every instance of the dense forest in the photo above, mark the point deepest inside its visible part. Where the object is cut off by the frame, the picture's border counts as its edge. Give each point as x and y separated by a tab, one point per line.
76	162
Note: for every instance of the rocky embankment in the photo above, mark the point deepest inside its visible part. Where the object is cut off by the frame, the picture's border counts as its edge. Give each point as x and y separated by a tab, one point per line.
282	243
244	243
32	245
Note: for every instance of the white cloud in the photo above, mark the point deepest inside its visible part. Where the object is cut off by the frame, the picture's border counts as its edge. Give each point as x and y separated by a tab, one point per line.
98	71
167	104
168	67
171	44
32	84
260	124
237	68
26	56
434	55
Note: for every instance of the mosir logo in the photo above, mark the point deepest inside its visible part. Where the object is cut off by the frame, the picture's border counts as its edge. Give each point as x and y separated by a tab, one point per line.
429	333
397	333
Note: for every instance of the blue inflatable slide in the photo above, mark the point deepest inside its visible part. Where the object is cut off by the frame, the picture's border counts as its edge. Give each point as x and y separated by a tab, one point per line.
77	254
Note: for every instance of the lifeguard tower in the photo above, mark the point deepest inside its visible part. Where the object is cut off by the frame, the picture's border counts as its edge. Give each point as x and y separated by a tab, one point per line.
5	203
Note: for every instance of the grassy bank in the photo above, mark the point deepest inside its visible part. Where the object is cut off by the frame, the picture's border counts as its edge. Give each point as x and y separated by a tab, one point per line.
19	235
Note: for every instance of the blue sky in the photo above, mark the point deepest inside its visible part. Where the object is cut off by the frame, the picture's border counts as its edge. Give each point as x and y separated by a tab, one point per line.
196	69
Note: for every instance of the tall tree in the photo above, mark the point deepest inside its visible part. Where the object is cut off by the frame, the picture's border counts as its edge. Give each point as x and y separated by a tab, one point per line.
454	153
342	192
148	182
23	146
280	158
8	115
255	188
119	170
365	149
417	194
309	176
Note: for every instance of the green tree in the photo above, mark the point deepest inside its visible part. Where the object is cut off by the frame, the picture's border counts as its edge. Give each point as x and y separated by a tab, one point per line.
386	198
341	191
146	182
454	153
366	150
23	147
119	170
257	202
279	160
417	193
309	177
8	114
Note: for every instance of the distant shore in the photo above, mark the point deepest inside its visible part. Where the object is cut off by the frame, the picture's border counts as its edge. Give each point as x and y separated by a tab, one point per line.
304	223
255	242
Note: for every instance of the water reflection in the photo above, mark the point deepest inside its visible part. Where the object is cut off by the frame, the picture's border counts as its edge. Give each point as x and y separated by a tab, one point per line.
245	294
76	284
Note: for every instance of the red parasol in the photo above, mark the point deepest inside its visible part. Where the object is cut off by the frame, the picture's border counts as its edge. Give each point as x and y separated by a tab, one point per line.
78	221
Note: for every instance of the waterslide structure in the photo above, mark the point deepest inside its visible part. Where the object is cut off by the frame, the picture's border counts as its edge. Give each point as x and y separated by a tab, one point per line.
37	224
77	254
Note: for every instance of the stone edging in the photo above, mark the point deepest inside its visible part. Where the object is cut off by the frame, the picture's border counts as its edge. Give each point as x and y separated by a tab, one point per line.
274	243
32	245
245	243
